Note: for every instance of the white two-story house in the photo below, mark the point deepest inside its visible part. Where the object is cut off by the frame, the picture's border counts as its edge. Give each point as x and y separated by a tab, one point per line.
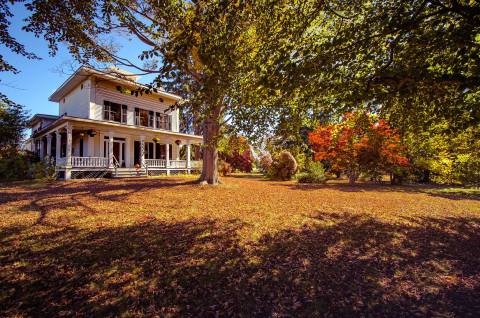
104	128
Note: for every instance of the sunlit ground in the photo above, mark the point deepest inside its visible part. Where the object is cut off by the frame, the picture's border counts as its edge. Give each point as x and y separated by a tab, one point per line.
249	247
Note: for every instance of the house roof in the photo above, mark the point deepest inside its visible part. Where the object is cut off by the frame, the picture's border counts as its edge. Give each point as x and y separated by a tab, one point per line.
114	75
37	117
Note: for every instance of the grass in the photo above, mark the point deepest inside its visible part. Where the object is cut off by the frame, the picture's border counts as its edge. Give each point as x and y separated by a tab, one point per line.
457	191
249	247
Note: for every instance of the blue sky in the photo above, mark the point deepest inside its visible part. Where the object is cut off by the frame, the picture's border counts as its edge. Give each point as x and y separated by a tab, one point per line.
38	79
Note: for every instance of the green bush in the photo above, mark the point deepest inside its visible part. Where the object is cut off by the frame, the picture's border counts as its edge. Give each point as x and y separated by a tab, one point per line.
284	166
14	168
468	169
24	165
315	173
43	170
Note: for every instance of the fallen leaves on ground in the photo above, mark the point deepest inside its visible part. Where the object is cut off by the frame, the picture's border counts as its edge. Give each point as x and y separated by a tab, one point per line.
249	247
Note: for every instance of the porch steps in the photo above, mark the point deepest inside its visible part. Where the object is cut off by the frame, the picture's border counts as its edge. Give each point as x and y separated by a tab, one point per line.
129	173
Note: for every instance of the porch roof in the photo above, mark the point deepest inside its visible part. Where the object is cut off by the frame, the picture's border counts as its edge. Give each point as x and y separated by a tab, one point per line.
105	124
37	117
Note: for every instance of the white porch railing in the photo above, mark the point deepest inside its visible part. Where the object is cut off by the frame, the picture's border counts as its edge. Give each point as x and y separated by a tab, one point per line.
179	164
156	163
102	162
90	162
174	164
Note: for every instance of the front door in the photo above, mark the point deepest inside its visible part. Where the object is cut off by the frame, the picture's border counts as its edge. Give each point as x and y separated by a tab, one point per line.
119	152
136	152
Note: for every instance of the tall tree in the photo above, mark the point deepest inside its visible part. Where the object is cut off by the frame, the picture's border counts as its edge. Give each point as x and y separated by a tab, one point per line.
397	58
199	46
252	63
13	121
360	143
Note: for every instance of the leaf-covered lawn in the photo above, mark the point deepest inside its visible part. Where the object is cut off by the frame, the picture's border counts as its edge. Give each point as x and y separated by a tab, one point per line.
249	247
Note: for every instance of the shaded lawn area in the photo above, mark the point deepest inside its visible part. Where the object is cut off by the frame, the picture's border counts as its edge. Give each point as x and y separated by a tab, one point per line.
250	247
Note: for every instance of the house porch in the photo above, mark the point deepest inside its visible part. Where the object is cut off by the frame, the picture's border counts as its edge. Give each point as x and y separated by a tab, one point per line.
80	150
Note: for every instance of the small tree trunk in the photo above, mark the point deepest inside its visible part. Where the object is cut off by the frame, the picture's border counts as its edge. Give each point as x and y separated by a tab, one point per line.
352	177
210	154
426	176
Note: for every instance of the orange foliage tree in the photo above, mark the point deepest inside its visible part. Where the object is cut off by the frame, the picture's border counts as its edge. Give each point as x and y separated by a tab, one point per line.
359	143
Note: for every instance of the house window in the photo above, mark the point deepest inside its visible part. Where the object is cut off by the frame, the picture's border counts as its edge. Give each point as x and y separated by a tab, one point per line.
137	116
114	112
157	120
162	121
142	117
124	113
150	118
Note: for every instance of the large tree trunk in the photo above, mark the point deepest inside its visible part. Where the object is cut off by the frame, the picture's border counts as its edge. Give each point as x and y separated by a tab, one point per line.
211	130
197	151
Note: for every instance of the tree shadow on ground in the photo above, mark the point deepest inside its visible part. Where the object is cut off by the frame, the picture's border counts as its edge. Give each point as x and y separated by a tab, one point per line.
431	190
64	195
346	266
91	187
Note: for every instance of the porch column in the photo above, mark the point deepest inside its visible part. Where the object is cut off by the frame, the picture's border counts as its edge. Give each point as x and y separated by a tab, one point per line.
58	146
91	146
49	146
68	155
41	152
110	149
167	158
127	158
142	151
176	151
188	158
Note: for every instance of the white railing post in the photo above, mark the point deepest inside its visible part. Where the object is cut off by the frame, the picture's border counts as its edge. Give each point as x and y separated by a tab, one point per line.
167	158
189	163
